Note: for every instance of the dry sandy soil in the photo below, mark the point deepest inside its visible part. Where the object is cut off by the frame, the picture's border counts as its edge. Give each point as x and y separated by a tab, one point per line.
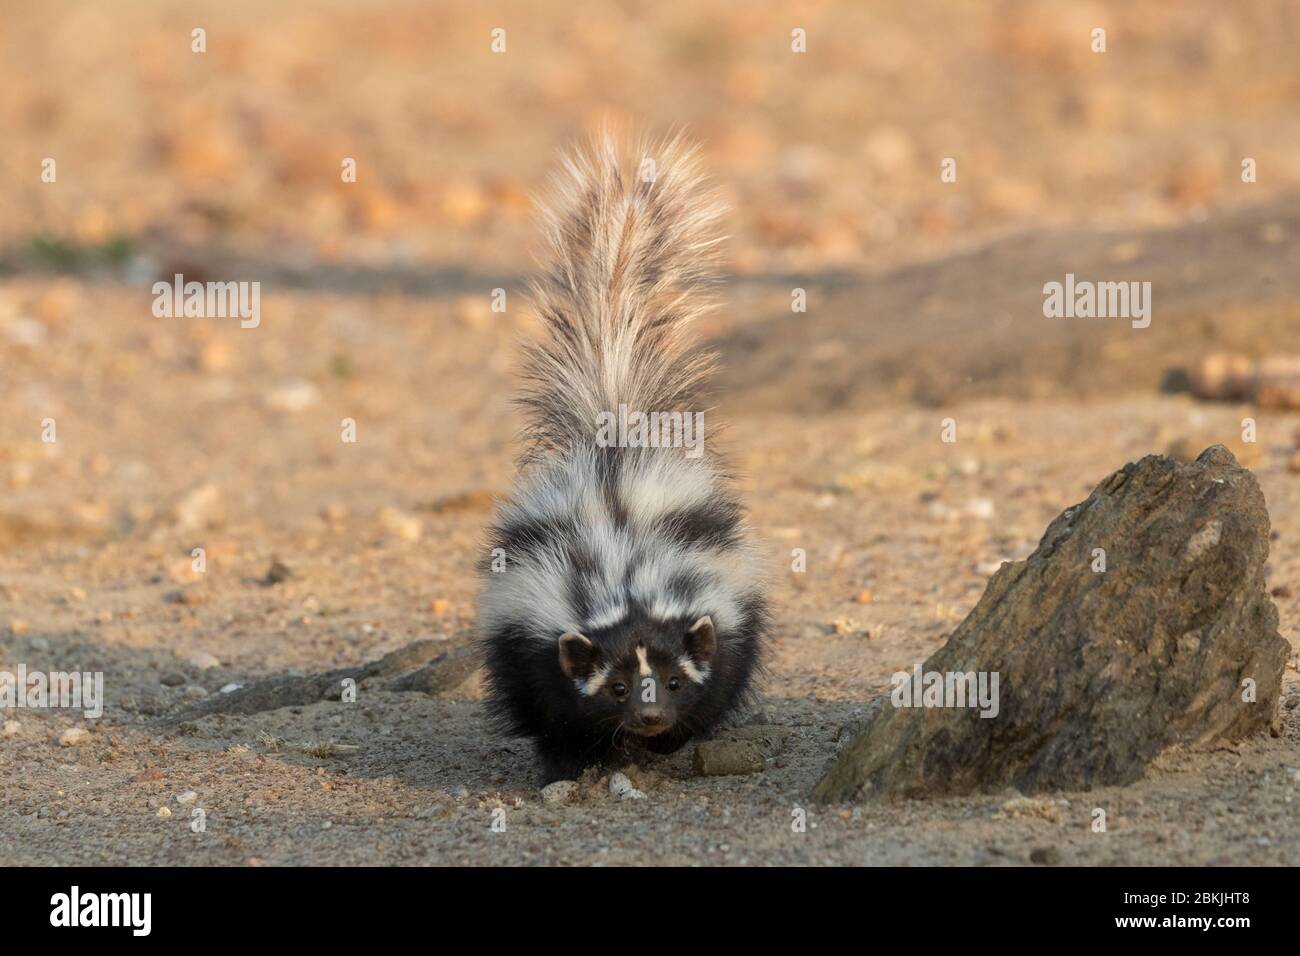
174	434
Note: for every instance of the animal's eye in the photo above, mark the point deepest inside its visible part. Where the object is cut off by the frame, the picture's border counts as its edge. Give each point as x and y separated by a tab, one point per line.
674	683
619	689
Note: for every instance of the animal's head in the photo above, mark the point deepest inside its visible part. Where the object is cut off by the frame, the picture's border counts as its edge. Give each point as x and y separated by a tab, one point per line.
646	678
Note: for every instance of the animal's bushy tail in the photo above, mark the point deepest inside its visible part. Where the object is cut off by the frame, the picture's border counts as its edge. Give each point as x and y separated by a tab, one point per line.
632	250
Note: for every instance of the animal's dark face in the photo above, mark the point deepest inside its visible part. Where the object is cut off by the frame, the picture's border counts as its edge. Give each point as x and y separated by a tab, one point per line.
645	680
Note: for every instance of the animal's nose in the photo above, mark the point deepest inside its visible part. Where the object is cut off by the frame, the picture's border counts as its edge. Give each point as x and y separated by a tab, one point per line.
652	717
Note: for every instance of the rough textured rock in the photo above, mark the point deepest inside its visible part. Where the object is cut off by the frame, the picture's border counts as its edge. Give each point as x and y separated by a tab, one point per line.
722	758
1099	671
434	674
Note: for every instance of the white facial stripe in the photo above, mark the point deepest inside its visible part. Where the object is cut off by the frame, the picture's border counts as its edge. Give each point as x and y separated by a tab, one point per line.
698	674
644	662
594	683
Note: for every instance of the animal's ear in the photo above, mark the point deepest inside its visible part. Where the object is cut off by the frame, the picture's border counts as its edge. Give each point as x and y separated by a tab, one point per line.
701	641
577	655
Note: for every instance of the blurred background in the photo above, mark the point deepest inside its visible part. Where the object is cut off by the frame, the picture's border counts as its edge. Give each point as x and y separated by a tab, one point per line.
924	302
830	157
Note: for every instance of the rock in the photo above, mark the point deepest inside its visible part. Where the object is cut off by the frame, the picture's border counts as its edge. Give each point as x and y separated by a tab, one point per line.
195	692
26	332
73	736
621	787
1031	807
721	758
198	508
406	526
444	673
203	660
186	798
293	397
770	739
164	812
1098	671
278	572
1223	377
413	667
12	727
559	792
1186	448
185	596
1048	855
1271	382
172	679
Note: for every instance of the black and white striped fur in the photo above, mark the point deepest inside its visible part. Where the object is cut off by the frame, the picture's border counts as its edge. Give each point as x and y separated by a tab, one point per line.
624	609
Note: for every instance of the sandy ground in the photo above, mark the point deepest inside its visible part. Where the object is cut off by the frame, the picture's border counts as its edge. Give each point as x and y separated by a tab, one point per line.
90	581
178	434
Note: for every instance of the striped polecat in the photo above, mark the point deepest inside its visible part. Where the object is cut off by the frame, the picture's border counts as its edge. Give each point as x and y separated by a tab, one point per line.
622	605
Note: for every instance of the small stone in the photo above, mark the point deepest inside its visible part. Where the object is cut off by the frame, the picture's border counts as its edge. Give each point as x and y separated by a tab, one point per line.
11	727
406	526
203	660
1281	591
1041	808
230	688
721	758
148	775
440	606
187	597
172	679
864	597
73	736
195	692
26	332
293	397
559	792
216	356
198	508
621	787
186	798
278	572
1047	855
164	812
